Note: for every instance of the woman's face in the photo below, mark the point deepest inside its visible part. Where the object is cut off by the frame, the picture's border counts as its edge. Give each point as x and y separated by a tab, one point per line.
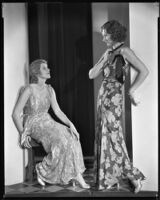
107	38
44	71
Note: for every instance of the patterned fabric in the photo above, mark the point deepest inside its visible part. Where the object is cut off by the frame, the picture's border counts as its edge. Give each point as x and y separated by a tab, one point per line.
111	158
64	158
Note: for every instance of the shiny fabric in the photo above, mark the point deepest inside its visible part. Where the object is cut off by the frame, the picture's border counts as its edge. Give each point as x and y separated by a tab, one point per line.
64	159
111	162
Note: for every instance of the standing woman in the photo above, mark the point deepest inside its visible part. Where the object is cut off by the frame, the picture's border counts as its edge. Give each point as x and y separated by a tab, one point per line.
111	157
64	160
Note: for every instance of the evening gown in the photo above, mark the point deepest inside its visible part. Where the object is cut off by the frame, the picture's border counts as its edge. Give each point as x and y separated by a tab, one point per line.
64	159
111	163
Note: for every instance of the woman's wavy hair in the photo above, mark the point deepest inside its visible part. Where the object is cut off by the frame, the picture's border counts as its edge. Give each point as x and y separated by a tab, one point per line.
34	70
117	30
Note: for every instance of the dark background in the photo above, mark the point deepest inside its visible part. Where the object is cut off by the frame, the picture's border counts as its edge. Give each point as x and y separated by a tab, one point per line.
61	33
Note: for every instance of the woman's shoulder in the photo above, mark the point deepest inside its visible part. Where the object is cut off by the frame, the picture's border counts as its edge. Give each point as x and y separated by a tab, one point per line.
50	88
30	87
25	90
126	50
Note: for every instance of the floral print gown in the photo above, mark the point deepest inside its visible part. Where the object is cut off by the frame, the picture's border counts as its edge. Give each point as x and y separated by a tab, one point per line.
64	159
111	158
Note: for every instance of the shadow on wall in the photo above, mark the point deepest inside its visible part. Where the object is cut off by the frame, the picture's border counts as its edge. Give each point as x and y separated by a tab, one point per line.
99	45
119	11
26	73
99	48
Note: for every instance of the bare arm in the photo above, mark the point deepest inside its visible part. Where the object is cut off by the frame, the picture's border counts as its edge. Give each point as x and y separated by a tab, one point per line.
18	109
96	70
138	65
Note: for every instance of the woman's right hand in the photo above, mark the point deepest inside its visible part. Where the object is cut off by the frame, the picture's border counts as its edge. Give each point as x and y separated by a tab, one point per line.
25	140
105	56
74	131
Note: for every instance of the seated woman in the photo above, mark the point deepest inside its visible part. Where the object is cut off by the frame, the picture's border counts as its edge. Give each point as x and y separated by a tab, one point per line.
64	160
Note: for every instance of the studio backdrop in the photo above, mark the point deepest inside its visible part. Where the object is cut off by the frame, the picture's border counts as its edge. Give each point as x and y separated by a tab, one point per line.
61	33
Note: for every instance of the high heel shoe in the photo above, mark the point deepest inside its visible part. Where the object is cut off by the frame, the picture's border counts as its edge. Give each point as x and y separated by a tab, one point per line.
113	186
40	181
138	186
79	179
74	183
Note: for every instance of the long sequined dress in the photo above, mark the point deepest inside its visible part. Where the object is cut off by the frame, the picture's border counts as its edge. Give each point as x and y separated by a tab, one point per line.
111	163
64	159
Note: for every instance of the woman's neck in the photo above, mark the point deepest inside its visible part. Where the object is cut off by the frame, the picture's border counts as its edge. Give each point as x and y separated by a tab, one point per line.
116	45
41	82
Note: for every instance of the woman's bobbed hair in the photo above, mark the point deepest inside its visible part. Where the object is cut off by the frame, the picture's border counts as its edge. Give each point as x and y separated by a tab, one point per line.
34	70
117	30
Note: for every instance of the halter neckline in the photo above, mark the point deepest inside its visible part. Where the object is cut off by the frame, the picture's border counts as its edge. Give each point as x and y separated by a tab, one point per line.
114	49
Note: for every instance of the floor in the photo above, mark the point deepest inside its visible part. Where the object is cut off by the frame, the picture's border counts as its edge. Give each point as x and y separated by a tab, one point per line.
27	189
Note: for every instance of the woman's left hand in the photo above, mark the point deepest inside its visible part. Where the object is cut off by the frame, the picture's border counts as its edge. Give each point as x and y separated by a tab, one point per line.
74	131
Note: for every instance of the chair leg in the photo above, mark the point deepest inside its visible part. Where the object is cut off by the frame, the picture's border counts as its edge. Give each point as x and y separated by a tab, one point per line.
31	165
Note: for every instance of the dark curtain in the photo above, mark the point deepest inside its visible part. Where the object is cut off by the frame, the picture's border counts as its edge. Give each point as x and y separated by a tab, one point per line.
61	33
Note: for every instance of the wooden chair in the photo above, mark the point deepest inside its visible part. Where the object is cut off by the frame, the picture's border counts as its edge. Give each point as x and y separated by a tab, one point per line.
35	155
